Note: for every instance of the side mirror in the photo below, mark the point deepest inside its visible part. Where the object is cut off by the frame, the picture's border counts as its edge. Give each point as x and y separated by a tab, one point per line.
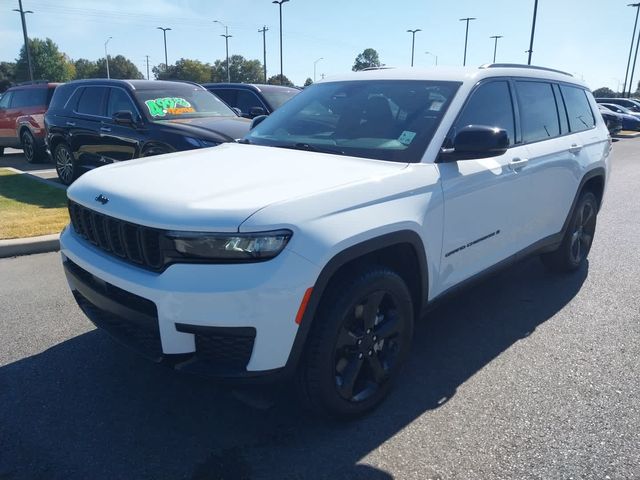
257	121
479	141
124	117
237	110
256	112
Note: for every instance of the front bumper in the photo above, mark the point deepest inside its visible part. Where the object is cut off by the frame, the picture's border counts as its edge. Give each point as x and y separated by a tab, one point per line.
220	320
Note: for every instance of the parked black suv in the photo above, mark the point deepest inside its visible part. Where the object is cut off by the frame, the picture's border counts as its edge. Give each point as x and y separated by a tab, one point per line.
252	100
94	122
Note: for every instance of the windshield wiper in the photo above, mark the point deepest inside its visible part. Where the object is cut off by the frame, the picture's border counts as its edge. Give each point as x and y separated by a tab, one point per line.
310	148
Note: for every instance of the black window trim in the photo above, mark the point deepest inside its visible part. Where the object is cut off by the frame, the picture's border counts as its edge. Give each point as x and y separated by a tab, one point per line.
104	102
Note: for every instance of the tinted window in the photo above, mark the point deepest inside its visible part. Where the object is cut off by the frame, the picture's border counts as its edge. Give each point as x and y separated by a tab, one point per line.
247	100
578	109
276	97
383	119
228	95
5	101
538	113
29	97
490	105
119	101
92	101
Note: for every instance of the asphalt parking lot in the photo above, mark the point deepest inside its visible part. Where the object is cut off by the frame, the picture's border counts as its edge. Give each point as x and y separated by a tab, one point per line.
528	375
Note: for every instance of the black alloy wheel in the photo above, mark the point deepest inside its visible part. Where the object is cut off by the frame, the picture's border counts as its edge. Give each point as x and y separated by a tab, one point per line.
65	166
29	147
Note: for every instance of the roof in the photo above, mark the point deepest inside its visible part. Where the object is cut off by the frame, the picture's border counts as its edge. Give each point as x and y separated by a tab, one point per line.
458	74
132	84
249	86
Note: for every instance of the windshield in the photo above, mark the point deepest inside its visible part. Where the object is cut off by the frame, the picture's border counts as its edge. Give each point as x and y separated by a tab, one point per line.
276	97
382	119
181	101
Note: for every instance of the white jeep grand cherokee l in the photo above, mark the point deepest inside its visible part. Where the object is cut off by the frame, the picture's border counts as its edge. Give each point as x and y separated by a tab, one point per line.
313	244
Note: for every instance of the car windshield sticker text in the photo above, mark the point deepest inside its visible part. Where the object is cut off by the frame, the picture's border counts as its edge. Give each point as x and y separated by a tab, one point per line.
159	107
407	137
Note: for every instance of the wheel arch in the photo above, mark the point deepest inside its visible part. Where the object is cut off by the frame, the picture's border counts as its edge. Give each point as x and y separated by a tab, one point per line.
594	181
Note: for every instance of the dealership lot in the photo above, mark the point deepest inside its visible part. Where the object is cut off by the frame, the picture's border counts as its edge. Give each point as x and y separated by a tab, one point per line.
528	375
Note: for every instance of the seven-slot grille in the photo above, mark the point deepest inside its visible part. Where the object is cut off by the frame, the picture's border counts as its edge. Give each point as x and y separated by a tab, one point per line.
133	243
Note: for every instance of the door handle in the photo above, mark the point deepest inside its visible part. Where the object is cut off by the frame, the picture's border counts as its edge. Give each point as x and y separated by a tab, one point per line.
518	164
105	129
575	148
71	124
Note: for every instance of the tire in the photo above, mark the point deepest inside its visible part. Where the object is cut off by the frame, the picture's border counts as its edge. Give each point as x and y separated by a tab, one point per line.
66	167
360	337
31	151
578	238
1	151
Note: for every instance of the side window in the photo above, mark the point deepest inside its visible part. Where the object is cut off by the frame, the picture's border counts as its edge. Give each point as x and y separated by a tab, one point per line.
490	105
20	99
578	108
247	100
92	101
119	101
538	112
228	96
5	101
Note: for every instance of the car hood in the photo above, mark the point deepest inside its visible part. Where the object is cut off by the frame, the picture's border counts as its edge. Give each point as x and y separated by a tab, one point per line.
229	128
216	189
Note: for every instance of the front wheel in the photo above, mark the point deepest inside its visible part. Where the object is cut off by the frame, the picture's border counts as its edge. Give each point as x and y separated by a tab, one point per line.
360	337
577	240
65	166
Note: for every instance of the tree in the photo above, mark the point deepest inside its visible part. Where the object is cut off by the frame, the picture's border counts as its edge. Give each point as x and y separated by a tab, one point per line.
86	68
49	63
275	80
368	58
184	69
240	70
119	67
7	75
308	82
604	92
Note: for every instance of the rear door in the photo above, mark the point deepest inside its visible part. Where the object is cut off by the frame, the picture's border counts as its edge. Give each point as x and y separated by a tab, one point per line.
84	128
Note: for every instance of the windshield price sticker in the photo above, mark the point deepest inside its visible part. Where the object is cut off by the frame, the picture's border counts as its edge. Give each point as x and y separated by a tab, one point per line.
160	107
407	137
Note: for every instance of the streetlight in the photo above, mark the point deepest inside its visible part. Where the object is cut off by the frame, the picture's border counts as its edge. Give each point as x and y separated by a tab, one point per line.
495	46
635	25
413	41
26	37
164	33
314	68
279	3
533	30
466	37
106	56
226	43
433	55
633	67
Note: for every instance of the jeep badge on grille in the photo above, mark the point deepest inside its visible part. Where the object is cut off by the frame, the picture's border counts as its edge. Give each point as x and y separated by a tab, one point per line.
102	199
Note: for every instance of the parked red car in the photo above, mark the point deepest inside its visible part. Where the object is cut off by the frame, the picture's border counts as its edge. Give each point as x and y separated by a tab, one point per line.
22	110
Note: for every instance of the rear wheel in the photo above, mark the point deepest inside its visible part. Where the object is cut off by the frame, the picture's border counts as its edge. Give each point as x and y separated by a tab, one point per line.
360	338
65	166
1	151
578	238
31	152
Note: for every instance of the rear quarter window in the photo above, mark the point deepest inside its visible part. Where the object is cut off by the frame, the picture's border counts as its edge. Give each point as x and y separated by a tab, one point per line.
578	109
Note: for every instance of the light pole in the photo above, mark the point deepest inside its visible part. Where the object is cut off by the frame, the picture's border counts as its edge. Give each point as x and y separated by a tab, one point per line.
466	37
279	3
226	43
106	55
635	25
314	68
147	66
433	55
633	67
413	41
533	30
264	31
164	33
495	46
26	37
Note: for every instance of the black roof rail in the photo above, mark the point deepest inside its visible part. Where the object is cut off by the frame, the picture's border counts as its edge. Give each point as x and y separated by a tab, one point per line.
381	67
31	82
518	65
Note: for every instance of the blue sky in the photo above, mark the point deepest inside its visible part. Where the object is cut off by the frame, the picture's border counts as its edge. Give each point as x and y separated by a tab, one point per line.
589	38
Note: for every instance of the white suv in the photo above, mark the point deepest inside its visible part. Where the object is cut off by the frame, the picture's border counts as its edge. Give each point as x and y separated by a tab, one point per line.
312	245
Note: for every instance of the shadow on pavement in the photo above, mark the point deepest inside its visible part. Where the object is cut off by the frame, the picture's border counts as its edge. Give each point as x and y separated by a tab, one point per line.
86	408
15	159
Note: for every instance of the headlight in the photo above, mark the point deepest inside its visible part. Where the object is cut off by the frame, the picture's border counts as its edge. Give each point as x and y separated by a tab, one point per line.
230	246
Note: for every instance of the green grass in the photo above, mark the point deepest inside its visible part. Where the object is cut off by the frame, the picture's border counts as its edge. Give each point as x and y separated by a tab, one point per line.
29	208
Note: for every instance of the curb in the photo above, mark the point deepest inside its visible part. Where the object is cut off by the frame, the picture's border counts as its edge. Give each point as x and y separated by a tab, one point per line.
28	246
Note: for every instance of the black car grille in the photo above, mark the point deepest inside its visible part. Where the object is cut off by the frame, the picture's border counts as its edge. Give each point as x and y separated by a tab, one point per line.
133	243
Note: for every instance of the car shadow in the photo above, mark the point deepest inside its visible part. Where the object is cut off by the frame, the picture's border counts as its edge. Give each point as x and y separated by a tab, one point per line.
15	159
86	408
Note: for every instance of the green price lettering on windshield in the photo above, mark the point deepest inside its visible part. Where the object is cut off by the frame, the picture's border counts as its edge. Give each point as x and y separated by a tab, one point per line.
159	107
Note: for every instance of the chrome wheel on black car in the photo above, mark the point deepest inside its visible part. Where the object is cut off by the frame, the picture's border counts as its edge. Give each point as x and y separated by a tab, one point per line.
65	166
359	340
